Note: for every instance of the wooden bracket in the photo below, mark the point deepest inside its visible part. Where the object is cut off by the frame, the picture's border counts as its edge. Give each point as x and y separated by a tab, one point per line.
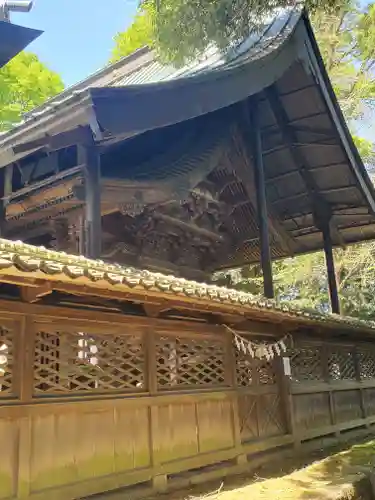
154	310
33	294
290	139
80	134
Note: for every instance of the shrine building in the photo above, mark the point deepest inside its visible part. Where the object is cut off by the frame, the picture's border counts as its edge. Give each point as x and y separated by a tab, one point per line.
123	371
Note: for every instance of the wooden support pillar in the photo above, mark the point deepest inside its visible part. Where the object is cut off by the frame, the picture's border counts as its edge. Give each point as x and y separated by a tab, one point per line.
89	157
265	250
331	275
81	235
6	182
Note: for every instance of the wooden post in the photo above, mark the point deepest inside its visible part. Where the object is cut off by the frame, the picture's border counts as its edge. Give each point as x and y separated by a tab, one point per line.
231	380
89	157
6	181
81	235
332	283
286	397
362	400
327	378
265	250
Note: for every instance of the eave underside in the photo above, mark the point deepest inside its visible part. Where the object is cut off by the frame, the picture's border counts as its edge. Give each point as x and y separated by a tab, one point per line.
311	172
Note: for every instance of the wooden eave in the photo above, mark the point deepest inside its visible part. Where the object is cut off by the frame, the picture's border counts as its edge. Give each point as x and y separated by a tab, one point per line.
39	272
311	163
14	39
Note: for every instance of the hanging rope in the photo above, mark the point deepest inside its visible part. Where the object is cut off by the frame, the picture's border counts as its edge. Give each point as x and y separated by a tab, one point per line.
259	350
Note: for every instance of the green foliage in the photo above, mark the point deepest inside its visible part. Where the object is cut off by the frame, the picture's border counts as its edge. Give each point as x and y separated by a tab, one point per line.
24	84
180	30
184	29
347	42
366	149
139	34
302	280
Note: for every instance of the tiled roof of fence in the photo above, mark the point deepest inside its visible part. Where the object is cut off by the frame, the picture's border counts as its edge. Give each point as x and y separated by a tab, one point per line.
28	259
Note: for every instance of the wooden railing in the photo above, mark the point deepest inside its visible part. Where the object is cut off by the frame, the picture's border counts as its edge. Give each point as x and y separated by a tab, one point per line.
91	403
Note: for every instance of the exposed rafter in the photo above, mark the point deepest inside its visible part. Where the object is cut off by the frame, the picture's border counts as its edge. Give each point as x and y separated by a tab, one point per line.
243	171
320	205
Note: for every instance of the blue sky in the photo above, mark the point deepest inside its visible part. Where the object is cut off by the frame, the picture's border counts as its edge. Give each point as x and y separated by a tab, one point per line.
77	38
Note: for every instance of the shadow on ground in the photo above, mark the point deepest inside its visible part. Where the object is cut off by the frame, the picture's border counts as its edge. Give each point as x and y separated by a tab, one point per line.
324	475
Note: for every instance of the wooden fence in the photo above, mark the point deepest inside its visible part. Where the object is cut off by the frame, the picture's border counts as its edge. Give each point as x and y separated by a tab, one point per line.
93	402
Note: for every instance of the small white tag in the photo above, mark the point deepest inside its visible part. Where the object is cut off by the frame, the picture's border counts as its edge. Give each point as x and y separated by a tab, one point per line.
287	369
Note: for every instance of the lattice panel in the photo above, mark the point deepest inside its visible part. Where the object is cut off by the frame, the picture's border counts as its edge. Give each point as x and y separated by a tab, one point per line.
306	363
366	362
251	371
6	362
341	364
75	362
244	369
189	362
265	371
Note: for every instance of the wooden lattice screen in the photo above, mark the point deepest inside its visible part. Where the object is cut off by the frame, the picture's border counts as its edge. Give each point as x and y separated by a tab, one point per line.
7	347
66	362
251	371
366	361
183	361
334	402
341	363
307	363
318	362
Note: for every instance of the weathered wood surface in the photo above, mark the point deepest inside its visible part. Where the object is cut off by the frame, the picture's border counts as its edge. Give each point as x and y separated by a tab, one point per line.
89	405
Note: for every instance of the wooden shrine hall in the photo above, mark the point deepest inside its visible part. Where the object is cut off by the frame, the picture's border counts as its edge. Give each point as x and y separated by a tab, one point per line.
125	373
245	159
235	160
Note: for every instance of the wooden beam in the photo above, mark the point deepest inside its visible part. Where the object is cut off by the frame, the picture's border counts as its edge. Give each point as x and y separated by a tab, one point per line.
188	227
121	191
331	274
323	132
289	137
89	157
243	172
265	249
78	135
320	143
45	183
154	310
33	294
296	172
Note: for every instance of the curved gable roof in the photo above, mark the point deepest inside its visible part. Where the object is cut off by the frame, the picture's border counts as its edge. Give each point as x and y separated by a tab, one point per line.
304	132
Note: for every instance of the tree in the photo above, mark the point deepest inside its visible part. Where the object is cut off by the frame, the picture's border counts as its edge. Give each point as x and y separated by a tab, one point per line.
24	84
139	34
184	29
347	42
180	30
